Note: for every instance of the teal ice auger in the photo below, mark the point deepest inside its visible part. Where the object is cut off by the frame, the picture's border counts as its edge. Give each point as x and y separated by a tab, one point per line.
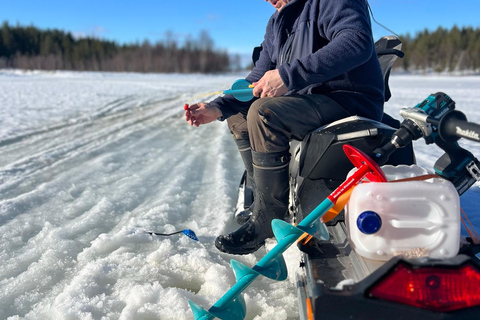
231	305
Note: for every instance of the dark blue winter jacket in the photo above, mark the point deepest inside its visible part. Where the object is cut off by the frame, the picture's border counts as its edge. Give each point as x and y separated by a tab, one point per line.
321	47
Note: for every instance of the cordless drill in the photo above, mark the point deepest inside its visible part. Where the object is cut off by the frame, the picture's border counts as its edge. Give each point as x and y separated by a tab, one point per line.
437	122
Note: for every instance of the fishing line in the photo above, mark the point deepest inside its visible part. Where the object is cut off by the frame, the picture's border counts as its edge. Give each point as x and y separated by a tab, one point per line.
241	90
373	18
203	95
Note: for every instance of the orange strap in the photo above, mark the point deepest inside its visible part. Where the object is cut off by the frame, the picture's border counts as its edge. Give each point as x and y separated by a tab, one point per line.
471	230
418	178
304	238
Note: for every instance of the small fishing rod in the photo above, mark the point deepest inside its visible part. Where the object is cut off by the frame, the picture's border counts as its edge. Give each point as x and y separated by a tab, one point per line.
241	90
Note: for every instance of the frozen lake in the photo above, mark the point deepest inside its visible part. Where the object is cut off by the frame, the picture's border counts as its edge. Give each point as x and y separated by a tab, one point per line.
89	161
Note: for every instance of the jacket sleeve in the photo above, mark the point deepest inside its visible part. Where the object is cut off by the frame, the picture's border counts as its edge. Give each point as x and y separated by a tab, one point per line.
346	26
230	106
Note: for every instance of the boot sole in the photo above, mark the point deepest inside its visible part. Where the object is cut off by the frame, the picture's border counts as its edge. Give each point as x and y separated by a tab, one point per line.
238	250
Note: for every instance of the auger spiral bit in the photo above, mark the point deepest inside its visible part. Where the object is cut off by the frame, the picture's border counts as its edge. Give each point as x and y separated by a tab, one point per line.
231	305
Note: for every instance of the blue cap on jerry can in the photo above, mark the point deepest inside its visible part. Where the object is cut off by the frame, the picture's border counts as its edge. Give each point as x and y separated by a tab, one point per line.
369	222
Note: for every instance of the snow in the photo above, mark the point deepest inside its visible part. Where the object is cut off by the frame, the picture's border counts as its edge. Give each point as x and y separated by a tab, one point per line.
90	161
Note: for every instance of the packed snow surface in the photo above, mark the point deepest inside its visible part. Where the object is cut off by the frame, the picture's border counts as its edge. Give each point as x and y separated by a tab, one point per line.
91	161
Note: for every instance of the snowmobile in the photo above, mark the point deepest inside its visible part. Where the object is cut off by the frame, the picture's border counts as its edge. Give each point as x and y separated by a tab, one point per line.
336	279
376	242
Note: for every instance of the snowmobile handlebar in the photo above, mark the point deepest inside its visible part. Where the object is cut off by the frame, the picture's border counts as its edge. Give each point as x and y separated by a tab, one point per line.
454	125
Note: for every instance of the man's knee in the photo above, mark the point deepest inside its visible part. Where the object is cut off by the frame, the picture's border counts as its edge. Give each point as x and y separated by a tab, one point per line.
265	127
261	111
237	124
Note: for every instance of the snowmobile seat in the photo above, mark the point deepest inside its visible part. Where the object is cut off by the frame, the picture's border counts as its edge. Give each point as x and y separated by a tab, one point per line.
388	49
321	152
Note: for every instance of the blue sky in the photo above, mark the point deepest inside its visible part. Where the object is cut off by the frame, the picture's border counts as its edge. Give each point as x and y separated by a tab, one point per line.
237	26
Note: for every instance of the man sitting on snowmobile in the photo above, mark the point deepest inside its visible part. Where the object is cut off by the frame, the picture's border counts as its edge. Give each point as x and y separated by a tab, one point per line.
317	65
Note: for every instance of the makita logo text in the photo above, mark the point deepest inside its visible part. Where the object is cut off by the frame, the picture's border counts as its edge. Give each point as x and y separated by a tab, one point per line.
467	133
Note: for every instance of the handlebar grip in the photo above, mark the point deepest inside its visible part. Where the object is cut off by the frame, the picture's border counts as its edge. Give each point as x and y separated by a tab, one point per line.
454	125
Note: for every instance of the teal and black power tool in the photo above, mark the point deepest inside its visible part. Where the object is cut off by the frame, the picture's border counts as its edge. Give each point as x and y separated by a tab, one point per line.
436	120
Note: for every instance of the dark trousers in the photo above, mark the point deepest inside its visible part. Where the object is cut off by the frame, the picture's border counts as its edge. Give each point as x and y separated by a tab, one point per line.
270	123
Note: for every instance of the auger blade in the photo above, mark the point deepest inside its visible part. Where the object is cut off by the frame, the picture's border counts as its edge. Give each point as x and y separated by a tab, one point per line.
323	231
199	313
318	230
282	229
275	270
235	309
241	270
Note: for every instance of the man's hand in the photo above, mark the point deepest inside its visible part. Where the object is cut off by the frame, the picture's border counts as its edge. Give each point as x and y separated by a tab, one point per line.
270	85
201	113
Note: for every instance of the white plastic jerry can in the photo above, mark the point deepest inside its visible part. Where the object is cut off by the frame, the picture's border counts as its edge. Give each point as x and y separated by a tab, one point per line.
409	218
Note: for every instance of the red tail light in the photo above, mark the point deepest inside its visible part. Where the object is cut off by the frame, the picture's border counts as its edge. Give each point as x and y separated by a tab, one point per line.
435	288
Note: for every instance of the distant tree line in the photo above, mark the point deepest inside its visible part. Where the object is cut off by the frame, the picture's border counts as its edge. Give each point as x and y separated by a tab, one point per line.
442	50
31	48
23	47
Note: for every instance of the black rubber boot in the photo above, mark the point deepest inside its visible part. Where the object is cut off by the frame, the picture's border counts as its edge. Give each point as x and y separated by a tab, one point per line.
243	214
271	202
